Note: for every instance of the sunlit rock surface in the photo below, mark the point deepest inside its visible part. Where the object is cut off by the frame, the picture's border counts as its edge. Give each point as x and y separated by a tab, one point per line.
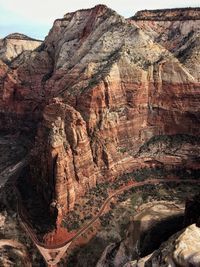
119	87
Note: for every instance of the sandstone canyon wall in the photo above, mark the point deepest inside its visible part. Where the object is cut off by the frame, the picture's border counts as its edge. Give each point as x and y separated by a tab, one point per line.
97	88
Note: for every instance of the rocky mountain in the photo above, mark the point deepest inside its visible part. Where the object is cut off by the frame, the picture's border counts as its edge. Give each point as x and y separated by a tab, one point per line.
100	86
101	97
14	44
178	30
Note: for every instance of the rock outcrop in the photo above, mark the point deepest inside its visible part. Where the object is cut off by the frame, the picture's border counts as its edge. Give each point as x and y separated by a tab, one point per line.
14	44
142	238
21	91
187	247
182	249
97	88
125	87
156	221
178	30
65	155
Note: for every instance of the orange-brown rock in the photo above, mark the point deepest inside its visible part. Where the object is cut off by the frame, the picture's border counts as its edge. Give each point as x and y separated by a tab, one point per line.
16	94
21	90
100	87
65	161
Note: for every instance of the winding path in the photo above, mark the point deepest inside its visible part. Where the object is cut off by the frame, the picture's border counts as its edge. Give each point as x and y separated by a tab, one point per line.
53	253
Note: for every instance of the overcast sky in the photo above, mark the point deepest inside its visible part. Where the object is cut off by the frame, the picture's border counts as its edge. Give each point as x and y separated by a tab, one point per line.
35	17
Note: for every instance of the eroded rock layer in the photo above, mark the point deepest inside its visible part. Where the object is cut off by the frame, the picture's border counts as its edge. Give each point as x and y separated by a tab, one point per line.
97	89
178	30
15	44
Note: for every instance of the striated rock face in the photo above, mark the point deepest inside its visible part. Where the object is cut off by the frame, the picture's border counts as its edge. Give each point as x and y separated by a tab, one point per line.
173	14
97	88
178	30
21	90
65	155
125	87
14	44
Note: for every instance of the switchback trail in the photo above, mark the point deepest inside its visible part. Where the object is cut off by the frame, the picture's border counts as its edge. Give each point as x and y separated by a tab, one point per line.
53	253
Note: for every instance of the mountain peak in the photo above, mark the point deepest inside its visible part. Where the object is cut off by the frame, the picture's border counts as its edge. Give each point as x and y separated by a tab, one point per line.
97	8
20	36
94	12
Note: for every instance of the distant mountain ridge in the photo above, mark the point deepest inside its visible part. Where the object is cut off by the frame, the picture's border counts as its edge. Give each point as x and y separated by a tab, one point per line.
14	44
20	36
170	14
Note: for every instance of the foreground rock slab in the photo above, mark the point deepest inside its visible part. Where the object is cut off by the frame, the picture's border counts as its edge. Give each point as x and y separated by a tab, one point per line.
187	247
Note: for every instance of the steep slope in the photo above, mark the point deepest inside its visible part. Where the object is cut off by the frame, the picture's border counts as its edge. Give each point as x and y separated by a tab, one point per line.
156	235
96	90
177	30
21	90
115	88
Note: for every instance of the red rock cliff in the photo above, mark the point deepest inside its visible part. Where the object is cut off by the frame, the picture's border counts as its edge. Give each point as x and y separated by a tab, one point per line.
104	87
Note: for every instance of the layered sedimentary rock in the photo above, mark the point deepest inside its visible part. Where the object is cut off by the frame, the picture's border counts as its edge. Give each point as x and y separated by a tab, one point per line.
100	87
14	44
21	90
65	154
178	30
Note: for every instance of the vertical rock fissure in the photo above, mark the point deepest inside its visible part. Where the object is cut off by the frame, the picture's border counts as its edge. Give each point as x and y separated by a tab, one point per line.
54	161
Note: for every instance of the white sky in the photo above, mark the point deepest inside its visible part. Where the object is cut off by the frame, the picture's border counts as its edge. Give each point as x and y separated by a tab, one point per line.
35	17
